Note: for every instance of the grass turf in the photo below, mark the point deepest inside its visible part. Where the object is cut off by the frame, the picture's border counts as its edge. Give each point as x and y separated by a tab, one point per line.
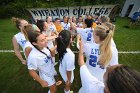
15	78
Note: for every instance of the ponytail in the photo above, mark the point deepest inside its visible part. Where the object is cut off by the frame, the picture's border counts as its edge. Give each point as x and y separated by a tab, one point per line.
61	48
17	21
26	30
63	41
105	35
14	19
105	50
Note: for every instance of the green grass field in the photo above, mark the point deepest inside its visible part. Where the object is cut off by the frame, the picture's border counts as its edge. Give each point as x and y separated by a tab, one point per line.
14	77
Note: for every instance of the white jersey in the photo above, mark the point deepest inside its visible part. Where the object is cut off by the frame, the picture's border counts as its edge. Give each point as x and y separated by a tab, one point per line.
67	64
92	53
90	84
52	27
27	44
86	34
21	40
66	26
42	63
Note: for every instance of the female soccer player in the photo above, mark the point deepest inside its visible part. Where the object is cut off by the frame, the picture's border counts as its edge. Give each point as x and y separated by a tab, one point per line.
117	79
101	54
66	58
40	60
19	39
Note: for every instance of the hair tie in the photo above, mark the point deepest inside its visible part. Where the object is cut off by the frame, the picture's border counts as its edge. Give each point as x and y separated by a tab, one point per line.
107	31
60	37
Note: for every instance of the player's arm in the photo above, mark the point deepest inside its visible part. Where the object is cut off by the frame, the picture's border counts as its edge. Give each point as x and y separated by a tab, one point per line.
86	77
69	75
73	26
68	83
17	50
52	50
81	57
51	37
78	40
27	51
55	32
34	74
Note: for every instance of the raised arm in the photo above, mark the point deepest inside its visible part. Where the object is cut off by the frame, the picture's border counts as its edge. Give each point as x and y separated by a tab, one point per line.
68	82
52	50
73	26
81	57
85	75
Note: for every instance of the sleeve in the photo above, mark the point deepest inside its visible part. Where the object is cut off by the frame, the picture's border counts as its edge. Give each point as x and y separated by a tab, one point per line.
32	63
86	77
70	63
27	44
114	59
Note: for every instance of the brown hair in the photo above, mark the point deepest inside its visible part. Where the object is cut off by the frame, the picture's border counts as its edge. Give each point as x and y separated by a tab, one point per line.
17	21
123	79
27	29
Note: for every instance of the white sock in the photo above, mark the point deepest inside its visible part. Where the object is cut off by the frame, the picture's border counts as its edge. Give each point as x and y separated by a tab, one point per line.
66	91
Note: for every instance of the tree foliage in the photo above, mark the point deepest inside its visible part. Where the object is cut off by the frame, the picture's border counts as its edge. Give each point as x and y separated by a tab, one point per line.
18	7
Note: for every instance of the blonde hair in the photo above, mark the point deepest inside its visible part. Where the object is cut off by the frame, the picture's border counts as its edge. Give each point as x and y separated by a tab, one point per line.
17	21
104	19
105	35
110	26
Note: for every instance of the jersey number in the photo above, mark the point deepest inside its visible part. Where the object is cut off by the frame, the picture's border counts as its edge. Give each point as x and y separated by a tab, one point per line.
89	37
93	60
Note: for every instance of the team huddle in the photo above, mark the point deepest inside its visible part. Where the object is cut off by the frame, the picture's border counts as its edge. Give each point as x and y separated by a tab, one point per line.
93	36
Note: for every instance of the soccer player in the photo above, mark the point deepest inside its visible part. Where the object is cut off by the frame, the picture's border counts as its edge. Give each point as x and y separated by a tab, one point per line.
66	58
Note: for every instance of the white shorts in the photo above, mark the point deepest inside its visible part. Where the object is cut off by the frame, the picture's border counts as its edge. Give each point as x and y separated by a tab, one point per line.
50	80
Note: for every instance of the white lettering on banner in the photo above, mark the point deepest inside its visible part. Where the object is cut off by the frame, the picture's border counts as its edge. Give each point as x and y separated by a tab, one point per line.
59	12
